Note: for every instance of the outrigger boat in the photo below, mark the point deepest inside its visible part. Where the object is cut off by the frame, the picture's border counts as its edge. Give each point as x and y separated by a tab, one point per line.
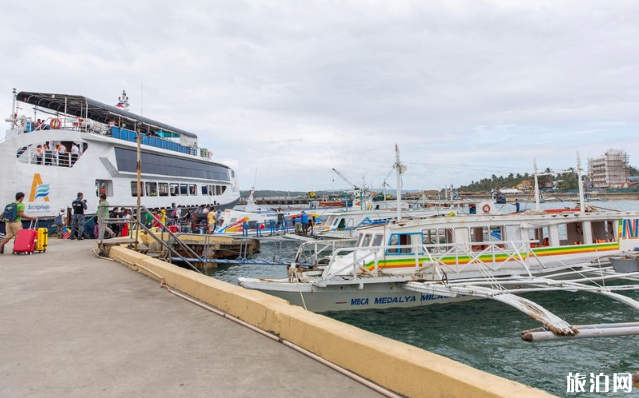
75	144
451	259
344	224
255	220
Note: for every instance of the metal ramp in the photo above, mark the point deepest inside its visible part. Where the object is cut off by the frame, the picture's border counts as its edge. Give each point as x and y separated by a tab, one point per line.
507	289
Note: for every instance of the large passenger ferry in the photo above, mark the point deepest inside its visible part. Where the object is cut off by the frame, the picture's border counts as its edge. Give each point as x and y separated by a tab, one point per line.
58	145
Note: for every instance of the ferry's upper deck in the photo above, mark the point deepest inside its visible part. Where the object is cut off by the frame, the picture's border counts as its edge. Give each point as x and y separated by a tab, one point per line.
76	112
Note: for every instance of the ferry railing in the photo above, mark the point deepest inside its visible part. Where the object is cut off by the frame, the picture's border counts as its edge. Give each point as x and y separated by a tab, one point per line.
358	264
171	250
31	155
433	255
464	255
309	252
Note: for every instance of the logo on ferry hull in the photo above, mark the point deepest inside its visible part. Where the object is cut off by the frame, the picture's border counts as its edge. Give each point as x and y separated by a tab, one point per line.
38	189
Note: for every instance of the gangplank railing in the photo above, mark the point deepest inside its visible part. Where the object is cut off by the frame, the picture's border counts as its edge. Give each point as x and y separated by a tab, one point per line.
171	249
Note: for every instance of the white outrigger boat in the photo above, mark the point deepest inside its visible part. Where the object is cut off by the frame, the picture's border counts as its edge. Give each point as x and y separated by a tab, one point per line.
450	259
91	148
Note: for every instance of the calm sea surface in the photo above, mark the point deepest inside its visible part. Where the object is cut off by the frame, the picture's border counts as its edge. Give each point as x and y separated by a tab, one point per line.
485	334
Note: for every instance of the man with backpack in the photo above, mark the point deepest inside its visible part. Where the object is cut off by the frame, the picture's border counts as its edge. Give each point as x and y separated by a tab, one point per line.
79	205
12	216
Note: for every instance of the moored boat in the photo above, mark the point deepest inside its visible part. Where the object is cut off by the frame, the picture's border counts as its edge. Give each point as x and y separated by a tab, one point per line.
448	259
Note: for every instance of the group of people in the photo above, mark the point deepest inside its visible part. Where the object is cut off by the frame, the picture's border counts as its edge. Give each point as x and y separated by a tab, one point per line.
112	229
303	223
107	217
203	217
57	154
41	124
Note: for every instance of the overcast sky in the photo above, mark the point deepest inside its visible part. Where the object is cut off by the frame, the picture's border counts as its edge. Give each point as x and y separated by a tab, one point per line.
283	91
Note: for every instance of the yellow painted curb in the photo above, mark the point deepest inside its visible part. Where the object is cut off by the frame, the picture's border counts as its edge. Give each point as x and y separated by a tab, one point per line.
400	367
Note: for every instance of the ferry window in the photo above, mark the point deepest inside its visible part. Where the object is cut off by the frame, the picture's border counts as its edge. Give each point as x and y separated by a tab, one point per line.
430	236
218	190
223	189
104	186
367	240
175	189
444	236
193	189
495	233
151	189
205	189
377	240
477	234
184	190
540	235
134	189
399	240
126	160
164	189
232	174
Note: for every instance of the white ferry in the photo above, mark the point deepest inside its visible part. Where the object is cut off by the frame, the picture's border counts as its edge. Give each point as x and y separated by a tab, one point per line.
70	143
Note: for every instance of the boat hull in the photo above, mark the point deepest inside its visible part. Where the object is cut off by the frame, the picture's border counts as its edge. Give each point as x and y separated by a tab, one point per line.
346	297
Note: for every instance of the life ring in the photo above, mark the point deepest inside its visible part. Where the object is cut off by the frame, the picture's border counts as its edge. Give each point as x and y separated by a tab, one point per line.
55	123
486	208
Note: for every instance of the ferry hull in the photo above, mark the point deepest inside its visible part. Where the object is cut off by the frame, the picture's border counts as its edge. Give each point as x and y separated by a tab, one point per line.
347	297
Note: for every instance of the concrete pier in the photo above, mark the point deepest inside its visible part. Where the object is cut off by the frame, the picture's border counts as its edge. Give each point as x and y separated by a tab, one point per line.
73	325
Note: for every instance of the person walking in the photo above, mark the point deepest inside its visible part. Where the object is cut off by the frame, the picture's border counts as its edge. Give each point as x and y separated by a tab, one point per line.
210	218
60	222
516	206
126	216
79	205
15	225
103	215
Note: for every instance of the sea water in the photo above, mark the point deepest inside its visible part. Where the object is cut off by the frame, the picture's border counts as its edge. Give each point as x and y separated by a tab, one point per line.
486	334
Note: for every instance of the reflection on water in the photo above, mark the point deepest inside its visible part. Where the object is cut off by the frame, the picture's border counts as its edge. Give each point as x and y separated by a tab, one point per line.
485	334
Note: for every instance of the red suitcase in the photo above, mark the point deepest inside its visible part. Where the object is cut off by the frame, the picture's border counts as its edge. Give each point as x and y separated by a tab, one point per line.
25	241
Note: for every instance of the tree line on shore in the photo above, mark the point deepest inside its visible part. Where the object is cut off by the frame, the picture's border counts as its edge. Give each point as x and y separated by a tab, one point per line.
560	181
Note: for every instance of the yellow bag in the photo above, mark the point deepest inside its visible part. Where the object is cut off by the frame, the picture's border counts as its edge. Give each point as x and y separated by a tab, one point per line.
42	240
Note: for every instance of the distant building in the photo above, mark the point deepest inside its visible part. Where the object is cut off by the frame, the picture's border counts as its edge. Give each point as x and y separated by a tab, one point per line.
610	170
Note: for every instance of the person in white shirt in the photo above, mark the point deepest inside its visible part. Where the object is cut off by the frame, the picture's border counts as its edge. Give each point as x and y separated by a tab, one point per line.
63	157
75	153
54	154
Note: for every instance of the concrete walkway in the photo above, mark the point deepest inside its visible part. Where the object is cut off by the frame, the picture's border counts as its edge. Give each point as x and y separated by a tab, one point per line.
73	325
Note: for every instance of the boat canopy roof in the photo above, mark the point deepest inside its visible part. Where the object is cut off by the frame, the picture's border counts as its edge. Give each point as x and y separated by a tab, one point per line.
83	107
